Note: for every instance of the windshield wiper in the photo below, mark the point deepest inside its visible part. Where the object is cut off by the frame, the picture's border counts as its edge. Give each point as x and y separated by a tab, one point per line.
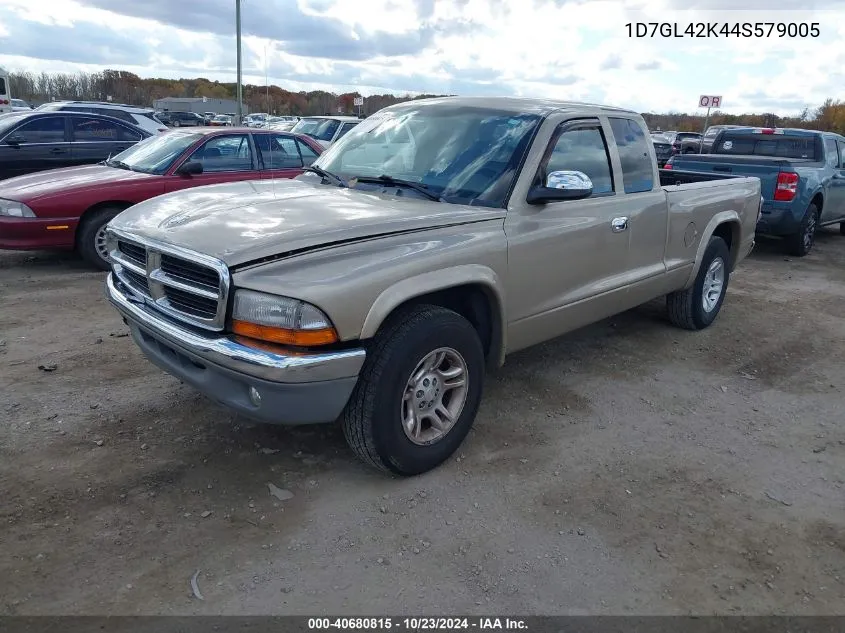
398	182
327	175
117	163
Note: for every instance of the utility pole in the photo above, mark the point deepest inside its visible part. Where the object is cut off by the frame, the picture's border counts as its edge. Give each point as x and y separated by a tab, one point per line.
238	37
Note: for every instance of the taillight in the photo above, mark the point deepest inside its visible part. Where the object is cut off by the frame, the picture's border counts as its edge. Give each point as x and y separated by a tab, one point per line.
667	166
787	186
4	101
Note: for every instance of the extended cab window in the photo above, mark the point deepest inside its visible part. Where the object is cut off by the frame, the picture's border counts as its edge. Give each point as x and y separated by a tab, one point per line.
637	164
841	145
583	149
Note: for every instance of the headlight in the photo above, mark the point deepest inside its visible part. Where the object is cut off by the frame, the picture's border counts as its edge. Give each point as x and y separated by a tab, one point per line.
15	209
280	320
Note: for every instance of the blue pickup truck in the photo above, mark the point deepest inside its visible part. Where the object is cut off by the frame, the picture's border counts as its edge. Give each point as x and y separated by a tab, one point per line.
802	174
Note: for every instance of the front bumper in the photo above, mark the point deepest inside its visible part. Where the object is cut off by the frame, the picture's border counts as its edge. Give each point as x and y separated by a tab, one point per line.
293	389
37	233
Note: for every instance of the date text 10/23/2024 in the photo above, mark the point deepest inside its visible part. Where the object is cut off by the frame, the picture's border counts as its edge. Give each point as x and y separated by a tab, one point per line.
722	29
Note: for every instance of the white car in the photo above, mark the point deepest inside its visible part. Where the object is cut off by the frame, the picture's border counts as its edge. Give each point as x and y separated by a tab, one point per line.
19	105
144	118
325	129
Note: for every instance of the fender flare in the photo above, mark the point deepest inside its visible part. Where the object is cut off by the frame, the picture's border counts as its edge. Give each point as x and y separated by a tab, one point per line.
443	279
723	217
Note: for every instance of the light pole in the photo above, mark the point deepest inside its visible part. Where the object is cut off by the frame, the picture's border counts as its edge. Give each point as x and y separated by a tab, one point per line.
238	37
266	82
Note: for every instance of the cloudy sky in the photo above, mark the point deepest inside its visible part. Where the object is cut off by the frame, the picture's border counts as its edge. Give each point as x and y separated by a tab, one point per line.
570	49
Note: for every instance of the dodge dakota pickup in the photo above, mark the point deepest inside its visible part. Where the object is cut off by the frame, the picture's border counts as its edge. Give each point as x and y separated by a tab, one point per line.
376	288
802	176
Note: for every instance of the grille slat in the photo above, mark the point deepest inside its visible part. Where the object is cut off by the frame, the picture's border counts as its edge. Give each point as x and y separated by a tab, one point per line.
187	271
133	252
189	290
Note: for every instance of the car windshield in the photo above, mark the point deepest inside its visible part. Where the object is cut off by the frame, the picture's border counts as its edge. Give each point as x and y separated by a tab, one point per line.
318	128
461	154
221	117
156	154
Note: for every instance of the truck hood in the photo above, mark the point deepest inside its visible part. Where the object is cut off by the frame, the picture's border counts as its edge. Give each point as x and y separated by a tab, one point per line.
246	221
30	187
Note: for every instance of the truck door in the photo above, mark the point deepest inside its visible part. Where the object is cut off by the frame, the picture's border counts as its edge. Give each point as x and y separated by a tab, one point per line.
646	209
567	260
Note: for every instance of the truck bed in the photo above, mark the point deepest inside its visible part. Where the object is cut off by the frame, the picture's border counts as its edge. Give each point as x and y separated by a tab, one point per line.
673	177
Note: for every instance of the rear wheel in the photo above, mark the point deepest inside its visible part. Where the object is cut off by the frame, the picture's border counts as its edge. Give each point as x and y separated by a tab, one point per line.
698	306
418	392
91	236
176	123
801	243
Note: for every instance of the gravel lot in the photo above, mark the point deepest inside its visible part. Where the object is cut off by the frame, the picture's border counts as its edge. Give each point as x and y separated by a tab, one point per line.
629	468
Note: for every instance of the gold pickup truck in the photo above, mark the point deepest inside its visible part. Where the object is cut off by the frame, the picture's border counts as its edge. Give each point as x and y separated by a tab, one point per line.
435	238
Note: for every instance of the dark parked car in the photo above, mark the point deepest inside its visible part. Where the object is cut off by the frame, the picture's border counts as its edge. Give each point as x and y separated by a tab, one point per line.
182	119
38	140
662	148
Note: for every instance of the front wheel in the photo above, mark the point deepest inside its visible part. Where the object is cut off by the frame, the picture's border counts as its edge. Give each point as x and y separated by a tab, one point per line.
418	393
801	243
176	124
697	307
91	236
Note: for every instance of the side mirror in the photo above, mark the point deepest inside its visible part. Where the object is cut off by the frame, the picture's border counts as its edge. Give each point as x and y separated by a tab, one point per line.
190	168
562	185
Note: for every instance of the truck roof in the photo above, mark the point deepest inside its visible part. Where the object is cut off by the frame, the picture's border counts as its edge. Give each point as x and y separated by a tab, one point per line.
520	105
793	131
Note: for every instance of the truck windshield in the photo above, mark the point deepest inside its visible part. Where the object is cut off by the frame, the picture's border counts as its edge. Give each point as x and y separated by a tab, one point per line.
461	154
778	145
320	129
156	154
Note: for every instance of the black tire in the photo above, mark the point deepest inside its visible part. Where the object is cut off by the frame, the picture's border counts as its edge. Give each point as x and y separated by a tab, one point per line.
801	243
372	420
177	124
686	307
842	228
87	235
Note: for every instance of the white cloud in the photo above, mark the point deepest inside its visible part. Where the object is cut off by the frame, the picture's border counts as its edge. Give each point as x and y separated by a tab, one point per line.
572	49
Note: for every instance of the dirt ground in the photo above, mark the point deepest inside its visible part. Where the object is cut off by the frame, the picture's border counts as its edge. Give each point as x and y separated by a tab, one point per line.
629	468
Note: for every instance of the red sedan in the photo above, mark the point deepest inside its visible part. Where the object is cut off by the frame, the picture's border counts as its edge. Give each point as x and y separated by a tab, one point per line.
69	208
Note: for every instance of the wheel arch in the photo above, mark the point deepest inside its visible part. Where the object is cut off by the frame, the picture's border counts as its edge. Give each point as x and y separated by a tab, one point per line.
726	225
473	291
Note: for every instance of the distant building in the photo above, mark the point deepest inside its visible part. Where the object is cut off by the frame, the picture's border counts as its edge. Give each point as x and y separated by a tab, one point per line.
198	105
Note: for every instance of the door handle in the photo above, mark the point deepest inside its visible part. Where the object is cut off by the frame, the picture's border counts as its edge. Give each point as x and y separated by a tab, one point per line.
619	224
58	150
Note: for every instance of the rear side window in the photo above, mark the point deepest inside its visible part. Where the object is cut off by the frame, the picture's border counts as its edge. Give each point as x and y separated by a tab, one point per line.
584	150
100	131
831	156
308	154
631	142
278	152
767	145
841	154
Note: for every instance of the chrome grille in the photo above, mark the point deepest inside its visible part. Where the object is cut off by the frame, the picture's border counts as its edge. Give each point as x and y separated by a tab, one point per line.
185	285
